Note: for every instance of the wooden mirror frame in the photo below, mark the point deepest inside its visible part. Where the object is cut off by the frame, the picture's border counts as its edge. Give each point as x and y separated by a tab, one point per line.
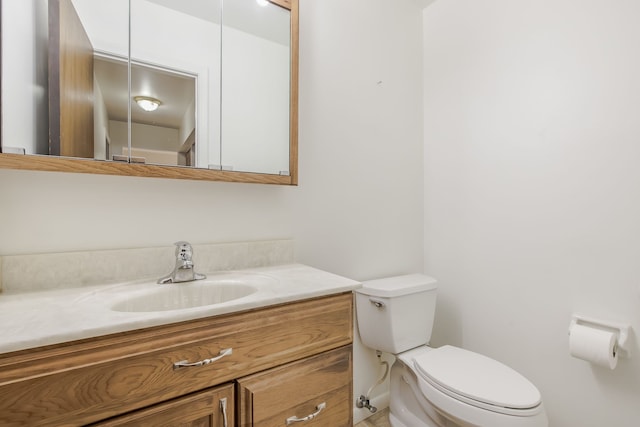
77	165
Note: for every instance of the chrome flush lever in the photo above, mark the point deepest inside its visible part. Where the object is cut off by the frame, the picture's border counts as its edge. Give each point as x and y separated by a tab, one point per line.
378	303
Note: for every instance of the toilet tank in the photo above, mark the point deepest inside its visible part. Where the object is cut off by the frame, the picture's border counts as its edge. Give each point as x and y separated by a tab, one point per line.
395	314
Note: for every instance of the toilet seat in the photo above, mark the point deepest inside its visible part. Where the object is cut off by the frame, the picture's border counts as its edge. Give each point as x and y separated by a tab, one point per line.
478	381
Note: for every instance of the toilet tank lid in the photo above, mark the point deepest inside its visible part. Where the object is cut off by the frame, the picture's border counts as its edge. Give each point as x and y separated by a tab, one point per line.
398	285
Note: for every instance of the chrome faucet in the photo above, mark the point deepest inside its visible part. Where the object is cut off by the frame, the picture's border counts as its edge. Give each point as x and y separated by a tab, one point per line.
183	271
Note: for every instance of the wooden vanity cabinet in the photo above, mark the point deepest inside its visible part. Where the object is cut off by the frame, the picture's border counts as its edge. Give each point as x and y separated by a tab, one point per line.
133	374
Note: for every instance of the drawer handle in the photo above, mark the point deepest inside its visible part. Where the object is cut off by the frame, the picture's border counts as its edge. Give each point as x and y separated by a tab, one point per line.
223	409
319	409
186	364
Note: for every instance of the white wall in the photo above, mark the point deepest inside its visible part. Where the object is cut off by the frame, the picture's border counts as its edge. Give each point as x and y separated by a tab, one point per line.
358	209
532	142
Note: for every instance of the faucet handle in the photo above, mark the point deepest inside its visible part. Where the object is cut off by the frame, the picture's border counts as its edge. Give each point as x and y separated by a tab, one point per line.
184	251
183	271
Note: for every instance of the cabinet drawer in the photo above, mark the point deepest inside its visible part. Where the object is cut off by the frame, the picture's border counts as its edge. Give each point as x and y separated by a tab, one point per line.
91	380
299	389
210	408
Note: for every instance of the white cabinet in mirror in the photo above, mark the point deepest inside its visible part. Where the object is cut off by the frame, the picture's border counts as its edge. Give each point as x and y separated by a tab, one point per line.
194	89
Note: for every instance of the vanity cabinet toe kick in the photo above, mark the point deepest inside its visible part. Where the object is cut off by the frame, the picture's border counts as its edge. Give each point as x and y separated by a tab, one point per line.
282	365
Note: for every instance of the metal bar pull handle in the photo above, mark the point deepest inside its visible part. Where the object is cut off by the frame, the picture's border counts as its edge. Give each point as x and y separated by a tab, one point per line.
295	419
223	409
187	364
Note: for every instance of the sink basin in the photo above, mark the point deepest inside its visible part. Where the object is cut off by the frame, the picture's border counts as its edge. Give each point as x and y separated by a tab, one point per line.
180	296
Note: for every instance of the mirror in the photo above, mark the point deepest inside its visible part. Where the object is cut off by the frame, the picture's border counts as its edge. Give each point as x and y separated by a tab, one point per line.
163	136
191	89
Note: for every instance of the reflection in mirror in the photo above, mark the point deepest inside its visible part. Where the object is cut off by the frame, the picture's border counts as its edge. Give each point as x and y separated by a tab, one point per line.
255	116
73	72
71	83
182	36
47	74
162	114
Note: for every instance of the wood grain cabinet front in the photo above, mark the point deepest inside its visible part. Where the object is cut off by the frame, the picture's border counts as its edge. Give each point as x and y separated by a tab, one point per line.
88	381
311	392
209	408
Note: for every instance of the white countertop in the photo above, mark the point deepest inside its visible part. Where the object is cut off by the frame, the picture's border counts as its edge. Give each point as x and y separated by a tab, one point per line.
35	319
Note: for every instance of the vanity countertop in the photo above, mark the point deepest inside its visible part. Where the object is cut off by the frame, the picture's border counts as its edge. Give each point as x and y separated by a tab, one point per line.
35	319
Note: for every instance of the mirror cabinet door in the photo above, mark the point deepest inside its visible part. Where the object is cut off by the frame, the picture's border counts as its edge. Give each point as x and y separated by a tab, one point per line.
166	83
255	86
50	99
175	53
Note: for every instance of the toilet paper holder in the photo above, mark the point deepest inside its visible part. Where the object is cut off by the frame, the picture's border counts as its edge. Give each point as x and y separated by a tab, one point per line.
621	330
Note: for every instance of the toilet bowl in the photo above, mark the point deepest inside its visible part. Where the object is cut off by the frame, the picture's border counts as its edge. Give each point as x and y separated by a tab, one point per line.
439	387
456	387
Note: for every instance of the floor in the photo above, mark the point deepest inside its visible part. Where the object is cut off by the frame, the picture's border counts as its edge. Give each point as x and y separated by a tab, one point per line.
380	419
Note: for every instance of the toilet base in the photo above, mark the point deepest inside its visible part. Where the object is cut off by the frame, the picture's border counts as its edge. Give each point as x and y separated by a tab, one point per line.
395	422
405	409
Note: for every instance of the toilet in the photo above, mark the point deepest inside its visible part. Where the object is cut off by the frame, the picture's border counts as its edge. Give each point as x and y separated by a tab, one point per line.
438	387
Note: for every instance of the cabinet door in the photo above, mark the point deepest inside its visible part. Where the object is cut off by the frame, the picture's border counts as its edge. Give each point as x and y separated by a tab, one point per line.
313	392
209	408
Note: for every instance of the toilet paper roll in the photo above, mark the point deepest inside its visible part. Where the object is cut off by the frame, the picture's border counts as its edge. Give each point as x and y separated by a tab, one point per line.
594	345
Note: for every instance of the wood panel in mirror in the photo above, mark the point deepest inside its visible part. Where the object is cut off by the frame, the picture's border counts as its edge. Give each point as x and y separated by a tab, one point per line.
70	83
43	131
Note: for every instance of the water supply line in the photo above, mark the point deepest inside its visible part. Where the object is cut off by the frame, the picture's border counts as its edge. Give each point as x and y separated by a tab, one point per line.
363	400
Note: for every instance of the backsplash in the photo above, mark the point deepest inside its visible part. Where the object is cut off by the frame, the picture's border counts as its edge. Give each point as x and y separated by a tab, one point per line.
28	273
